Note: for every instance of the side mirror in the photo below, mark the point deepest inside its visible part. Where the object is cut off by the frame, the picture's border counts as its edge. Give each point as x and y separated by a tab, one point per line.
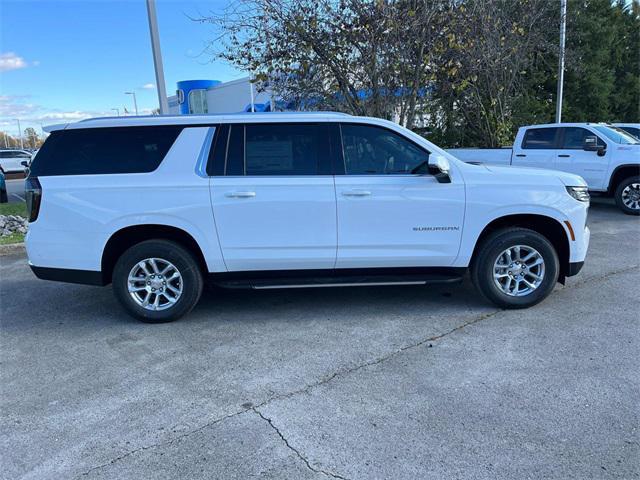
24	163
590	144
440	168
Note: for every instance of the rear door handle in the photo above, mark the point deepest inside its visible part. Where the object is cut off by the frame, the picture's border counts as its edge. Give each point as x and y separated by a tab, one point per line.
240	194
356	193
520	155
564	156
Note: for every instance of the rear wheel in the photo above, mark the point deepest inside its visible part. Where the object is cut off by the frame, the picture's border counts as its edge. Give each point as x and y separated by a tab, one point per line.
628	196
515	268
157	281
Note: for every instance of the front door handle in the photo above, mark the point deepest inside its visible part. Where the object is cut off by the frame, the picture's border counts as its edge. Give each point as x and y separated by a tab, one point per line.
564	156
240	194
356	193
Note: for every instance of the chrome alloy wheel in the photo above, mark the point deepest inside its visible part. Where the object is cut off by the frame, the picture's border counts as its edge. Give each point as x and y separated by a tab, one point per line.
155	284
631	196
519	270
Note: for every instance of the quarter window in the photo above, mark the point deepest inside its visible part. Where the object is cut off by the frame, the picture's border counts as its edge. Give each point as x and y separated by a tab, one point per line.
540	139
371	150
94	151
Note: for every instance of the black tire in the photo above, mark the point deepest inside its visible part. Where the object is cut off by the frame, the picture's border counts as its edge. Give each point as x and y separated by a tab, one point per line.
620	201
3	196
487	254
178	256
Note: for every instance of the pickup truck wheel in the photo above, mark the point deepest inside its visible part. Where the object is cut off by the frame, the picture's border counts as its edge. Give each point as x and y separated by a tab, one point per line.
515	268
628	196
157	281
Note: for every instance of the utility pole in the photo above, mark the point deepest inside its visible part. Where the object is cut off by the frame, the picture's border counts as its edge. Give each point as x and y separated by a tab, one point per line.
117	110
157	57
563	32
135	103
20	132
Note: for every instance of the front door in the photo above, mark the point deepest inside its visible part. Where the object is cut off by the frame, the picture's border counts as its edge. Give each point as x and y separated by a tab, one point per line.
391	213
573	158
274	202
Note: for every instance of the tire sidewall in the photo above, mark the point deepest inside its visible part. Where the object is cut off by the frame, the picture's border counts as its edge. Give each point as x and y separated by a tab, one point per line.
166	250
618	195
483	274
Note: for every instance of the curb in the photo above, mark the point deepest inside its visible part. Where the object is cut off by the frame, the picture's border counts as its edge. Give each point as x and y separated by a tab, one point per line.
12	249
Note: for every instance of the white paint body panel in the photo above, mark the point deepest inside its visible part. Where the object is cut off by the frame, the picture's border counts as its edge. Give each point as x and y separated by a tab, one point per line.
294	222
276	223
398	220
596	170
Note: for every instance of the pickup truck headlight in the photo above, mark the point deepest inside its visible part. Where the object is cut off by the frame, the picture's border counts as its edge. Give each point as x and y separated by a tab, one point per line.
579	193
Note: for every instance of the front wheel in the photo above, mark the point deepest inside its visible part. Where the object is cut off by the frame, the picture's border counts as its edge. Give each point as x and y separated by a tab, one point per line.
515	268
157	281
628	196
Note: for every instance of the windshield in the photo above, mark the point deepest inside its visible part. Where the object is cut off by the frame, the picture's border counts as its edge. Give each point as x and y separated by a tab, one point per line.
617	135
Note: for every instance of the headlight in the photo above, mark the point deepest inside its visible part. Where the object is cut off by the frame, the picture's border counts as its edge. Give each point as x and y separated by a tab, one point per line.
579	193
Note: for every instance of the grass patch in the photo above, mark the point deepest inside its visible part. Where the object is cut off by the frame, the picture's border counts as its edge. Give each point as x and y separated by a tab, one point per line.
15	237
19	208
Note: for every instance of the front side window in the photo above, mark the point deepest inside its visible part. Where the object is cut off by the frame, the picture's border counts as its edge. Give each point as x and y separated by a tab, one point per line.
371	150
540	139
573	138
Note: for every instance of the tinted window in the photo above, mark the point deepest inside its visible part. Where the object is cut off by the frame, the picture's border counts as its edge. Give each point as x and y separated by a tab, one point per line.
104	150
540	138
370	150
285	149
632	130
574	138
218	152
235	151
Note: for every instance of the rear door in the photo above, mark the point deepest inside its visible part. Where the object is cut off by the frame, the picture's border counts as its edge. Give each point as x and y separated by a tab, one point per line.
273	196
573	158
538	148
391	212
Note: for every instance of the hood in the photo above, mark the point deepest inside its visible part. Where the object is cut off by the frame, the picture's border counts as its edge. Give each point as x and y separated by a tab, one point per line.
541	175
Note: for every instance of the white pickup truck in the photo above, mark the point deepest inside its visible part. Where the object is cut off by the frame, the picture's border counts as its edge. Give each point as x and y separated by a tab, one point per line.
607	157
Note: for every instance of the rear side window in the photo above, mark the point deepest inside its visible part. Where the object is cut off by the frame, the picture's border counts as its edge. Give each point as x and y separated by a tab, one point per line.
294	149
272	149
540	138
96	151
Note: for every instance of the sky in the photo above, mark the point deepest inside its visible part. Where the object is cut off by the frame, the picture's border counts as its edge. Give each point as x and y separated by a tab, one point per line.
62	61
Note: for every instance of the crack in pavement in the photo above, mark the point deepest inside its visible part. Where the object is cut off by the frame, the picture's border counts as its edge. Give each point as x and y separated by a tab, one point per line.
339	373
159	444
295	450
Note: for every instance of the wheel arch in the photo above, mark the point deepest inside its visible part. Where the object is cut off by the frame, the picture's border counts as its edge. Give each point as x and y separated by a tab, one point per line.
547	226
126	237
620	173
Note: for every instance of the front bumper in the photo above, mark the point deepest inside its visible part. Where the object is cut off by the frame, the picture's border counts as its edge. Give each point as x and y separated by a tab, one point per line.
574	268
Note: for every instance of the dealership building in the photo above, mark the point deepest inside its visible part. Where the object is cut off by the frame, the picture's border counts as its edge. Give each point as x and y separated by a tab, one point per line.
213	96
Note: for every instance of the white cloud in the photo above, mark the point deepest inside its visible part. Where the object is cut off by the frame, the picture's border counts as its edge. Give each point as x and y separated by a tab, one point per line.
148	86
14	107
11	61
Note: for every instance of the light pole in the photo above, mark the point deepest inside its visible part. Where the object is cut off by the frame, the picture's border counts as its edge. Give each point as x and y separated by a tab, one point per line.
135	103
117	110
563	31
157	57
20	133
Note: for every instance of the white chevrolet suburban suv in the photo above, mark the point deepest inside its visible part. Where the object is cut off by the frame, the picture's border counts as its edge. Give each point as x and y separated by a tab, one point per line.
156	205
607	157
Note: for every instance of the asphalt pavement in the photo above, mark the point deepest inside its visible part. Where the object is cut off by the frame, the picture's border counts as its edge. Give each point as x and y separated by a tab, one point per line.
15	190
356	383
